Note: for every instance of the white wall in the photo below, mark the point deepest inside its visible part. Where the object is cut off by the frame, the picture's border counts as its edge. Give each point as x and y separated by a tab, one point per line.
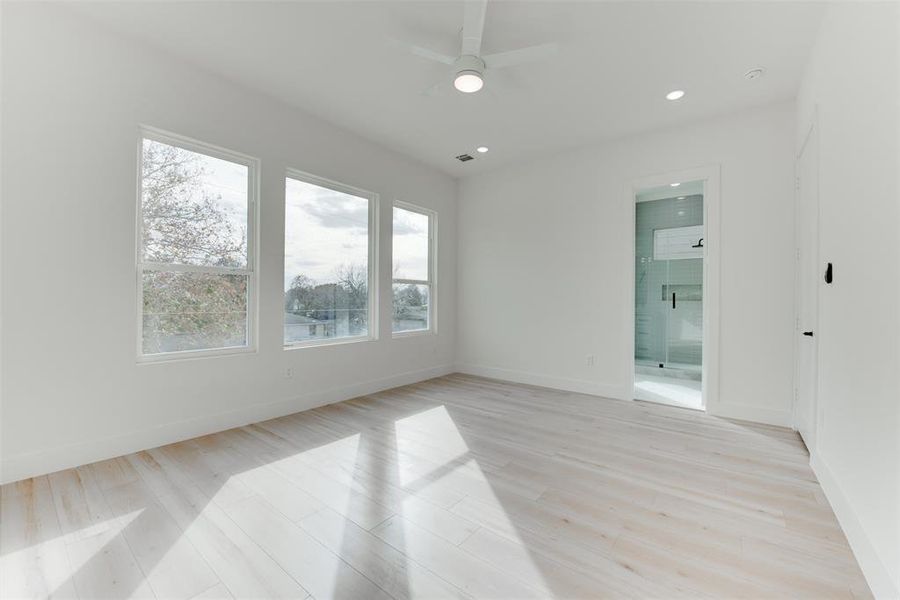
544	249
73	96
854	81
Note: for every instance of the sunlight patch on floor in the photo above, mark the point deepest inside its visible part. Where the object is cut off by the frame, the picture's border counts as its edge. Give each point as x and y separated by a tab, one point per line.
58	564
430	435
334	488
456	473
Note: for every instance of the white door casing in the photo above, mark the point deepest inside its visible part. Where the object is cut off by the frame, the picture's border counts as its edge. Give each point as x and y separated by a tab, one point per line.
809	280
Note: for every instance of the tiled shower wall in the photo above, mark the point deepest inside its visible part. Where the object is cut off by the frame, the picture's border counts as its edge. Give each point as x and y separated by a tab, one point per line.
663	334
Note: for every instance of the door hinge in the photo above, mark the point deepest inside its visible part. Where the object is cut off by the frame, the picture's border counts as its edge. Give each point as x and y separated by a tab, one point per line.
797	183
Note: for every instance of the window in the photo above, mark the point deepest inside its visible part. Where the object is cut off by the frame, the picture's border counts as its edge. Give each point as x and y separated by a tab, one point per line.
196	281
328	262
413	278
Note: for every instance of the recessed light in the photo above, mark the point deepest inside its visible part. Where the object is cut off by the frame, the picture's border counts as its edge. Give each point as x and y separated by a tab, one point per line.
682	197
674	184
468	82
680	213
481	149
675	95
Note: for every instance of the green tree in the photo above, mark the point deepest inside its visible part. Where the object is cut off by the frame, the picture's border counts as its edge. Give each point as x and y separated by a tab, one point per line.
184	223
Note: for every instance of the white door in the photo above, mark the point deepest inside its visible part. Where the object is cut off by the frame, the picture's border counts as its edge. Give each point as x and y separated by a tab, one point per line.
809	277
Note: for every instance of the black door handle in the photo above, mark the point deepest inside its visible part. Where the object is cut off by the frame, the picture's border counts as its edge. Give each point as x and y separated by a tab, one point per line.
808	333
673	299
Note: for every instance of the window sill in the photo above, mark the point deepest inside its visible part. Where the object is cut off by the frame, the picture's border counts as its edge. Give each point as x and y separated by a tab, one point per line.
185	355
329	342
412	333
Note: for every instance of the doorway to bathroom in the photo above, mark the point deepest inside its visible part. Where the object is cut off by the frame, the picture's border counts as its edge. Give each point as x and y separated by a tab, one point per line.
670	277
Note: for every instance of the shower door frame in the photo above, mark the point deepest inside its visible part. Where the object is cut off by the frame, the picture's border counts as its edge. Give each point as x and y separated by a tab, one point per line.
709	370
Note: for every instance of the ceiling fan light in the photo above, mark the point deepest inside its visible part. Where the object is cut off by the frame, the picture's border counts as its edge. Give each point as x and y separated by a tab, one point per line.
468	82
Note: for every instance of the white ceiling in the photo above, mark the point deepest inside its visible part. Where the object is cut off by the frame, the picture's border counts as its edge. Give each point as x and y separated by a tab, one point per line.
617	60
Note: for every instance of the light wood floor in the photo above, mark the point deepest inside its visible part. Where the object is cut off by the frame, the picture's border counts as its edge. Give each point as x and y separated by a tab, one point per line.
456	487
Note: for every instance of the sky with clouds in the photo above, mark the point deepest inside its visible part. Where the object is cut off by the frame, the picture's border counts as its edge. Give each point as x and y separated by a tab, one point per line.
324	228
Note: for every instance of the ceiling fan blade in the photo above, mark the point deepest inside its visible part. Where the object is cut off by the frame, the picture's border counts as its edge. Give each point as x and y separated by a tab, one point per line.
473	26
421	52
438	89
500	84
520	56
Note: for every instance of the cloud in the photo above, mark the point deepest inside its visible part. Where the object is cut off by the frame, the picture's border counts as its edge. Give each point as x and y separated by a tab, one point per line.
409	223
339	212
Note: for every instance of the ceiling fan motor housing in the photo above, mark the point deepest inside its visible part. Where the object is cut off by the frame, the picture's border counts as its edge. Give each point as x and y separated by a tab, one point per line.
469	64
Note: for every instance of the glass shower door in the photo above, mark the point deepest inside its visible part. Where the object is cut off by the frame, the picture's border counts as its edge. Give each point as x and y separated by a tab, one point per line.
684	331
669	255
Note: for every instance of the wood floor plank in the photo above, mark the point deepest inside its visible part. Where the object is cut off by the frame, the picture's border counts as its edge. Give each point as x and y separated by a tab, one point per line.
455	565
33	558
457	487
388	567
315	567
173	567
106	568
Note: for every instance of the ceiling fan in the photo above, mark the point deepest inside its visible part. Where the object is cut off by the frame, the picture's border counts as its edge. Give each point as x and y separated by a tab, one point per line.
470	66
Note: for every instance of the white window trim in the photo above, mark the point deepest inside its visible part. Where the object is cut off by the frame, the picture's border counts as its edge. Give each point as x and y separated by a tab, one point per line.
251	270
372	270
431	282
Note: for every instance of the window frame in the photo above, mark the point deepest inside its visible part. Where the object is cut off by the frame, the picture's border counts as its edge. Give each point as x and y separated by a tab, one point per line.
251	270
372	266
431	282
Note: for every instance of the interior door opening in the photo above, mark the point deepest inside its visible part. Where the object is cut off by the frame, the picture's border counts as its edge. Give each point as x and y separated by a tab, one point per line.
669	263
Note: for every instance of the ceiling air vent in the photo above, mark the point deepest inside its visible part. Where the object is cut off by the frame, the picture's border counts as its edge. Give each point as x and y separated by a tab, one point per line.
464	157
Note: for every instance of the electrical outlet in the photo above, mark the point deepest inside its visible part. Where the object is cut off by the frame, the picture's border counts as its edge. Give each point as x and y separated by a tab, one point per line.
289	373
589	360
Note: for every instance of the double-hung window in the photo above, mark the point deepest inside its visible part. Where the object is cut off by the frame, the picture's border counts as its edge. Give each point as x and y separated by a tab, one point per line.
195	248
329	262
413	269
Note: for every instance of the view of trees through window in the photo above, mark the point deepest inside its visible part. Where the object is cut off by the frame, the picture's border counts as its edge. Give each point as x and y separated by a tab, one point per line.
411	270
194	261
326	263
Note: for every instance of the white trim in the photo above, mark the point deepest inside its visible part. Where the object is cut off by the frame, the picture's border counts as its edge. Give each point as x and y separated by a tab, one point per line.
580	386
711	275
754	414
14	468
412	281
411	333
431	282
372	267
180	268
875	571
250	271
333	341
812	444
147	359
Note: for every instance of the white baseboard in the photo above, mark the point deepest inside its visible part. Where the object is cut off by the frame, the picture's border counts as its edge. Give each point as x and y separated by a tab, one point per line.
580	386
742	412
876	573
755	414
14	468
